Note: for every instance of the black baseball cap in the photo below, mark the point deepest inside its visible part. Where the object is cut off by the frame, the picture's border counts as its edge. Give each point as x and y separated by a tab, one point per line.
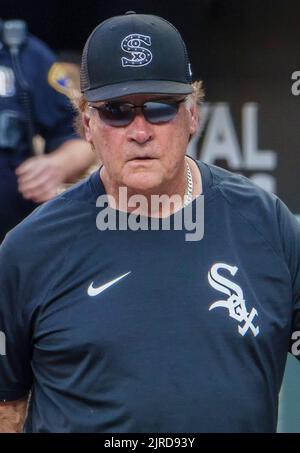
134	54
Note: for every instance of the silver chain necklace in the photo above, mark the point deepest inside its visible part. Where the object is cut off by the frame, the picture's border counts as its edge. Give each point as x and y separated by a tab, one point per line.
188	196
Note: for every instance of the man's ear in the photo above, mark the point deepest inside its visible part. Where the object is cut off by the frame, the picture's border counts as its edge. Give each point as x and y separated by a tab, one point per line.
86	122
194	118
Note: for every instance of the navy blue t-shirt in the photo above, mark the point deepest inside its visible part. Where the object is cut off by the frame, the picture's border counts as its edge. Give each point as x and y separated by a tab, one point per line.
143	331
52	118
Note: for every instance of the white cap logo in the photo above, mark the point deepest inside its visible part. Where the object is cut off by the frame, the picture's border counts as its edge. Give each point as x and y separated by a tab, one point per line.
140	56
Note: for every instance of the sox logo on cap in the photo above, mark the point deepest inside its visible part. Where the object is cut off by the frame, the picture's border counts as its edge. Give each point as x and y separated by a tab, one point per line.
132	44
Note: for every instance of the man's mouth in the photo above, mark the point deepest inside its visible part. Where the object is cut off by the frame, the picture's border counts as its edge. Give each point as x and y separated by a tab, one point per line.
142	158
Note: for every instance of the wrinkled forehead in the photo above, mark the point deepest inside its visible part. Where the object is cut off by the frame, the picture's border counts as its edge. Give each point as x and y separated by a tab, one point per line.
141	98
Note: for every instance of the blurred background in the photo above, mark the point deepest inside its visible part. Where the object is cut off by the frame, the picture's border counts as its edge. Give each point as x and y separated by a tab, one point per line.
247	53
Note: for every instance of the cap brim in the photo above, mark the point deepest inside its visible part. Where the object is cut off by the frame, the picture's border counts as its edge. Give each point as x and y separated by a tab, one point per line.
137	87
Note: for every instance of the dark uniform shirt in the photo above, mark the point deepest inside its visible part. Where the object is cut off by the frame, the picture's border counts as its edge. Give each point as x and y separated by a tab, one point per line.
143	331
52	119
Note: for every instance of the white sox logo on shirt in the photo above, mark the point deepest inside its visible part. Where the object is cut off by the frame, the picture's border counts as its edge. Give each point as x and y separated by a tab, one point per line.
235	303
133	44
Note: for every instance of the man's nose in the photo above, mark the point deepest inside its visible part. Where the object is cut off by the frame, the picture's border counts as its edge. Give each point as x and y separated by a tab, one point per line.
140	130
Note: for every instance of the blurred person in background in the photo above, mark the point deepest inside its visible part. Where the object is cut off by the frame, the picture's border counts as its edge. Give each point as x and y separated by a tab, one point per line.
34	103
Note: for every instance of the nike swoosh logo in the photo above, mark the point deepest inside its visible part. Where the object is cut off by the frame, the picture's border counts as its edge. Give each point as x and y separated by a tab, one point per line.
92	291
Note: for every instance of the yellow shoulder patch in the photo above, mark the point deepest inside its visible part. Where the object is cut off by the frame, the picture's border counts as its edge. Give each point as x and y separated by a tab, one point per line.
63	77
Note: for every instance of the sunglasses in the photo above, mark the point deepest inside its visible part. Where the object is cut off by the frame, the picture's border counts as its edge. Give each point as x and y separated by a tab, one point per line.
120	114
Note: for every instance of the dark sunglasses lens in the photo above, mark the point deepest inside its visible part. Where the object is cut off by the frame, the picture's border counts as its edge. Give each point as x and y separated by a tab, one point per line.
116	114
160	112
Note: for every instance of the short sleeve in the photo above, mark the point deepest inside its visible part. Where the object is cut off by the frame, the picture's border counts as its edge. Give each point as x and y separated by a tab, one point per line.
53	109
290	236
15	342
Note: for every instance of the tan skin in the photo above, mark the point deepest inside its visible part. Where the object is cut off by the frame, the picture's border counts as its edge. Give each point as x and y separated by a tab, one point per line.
12	416
122	149
40	177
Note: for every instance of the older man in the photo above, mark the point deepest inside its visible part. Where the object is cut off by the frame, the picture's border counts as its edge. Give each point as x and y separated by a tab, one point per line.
129	326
